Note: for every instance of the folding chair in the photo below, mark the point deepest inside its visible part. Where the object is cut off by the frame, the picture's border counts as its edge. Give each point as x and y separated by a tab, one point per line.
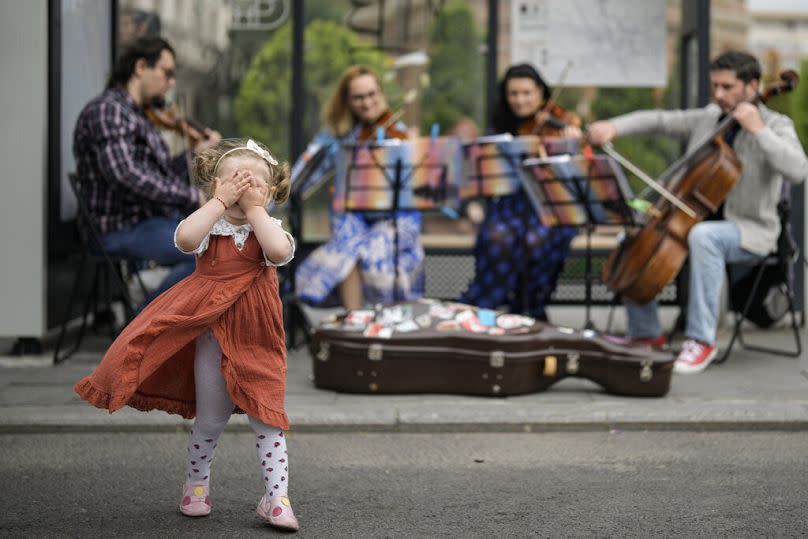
106	270
782	261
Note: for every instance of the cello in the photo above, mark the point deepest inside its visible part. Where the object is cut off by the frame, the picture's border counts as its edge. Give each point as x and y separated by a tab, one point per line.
649	258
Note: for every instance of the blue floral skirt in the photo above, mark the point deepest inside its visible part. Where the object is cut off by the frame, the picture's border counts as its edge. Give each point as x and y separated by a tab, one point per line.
368	241
517	260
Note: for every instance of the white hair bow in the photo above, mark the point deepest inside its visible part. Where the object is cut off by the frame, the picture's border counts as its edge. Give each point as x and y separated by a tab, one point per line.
253	147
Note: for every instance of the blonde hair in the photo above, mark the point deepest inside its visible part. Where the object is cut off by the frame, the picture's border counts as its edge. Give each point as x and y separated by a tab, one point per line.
206	163
337	113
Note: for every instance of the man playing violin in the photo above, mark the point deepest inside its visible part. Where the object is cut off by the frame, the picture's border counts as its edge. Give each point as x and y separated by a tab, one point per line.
134	189
769	151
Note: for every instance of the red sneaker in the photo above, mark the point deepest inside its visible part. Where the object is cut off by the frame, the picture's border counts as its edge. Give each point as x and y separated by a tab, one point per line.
648	342
694	357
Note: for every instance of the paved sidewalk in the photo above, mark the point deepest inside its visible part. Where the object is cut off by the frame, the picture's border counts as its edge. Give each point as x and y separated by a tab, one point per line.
750	391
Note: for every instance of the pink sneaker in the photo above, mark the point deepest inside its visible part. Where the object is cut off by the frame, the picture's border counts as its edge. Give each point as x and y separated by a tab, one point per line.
195	500
694	357
277	511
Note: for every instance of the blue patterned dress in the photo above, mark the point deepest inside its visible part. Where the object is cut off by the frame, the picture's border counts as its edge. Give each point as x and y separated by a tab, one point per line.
517	260
366	239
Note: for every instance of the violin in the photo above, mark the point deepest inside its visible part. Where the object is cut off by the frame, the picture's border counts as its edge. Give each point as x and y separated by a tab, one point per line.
550	120
385	121
167	117
642	265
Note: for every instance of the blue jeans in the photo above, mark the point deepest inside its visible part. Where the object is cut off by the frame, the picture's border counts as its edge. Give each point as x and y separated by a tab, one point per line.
712	244
152	239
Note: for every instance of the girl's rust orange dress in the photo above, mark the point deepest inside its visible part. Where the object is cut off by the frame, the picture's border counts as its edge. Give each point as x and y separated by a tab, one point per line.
150	366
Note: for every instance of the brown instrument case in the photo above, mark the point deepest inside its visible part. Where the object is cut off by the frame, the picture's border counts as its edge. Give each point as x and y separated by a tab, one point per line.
428	346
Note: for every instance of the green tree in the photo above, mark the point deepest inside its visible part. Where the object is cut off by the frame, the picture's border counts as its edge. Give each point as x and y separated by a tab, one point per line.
263	104
798	101
455	72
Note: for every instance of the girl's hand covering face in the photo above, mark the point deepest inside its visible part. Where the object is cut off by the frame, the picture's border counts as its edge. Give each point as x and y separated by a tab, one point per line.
257	194
230	188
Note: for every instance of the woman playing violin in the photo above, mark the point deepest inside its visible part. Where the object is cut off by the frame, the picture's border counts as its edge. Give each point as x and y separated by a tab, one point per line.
768	150
512	246
355	266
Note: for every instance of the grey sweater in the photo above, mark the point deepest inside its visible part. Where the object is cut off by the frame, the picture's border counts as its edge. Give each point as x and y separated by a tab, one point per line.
767	157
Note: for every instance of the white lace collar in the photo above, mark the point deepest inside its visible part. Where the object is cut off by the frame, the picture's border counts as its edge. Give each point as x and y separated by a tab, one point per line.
223	227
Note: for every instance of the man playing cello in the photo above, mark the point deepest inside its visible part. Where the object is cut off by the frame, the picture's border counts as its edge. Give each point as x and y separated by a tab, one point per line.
769	151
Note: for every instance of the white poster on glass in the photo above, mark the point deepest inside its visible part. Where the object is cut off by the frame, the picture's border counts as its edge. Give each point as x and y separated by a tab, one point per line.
592	42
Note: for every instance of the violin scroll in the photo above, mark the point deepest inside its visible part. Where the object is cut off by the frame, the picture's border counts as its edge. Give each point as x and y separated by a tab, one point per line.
789	79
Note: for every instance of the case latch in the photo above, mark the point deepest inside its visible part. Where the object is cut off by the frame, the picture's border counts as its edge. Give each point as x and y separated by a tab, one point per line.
375	352
646	372
324	352
572	362
497	359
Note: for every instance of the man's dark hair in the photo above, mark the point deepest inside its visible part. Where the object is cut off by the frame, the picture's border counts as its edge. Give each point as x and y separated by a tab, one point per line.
503	118
745	66
148	48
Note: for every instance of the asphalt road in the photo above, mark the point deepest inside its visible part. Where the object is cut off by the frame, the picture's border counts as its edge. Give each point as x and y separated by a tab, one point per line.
618	484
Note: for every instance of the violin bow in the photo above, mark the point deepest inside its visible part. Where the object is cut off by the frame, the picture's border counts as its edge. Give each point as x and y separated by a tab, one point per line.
562	78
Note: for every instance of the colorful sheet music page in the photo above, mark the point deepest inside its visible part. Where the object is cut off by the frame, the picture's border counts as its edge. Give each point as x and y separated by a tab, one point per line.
427	171
493	164
576	190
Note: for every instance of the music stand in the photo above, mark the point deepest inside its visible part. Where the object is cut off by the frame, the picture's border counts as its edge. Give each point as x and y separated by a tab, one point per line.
493	164
579	191
306	165
395	175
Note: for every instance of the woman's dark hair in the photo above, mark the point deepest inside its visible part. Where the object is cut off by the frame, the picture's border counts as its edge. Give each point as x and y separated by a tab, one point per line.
148	48
503	119
745	66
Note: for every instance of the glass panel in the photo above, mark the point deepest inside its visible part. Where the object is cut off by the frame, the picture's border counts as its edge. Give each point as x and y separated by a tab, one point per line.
233	61
431	59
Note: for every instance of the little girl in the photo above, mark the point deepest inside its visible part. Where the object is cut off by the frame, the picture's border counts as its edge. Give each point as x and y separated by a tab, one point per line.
214	343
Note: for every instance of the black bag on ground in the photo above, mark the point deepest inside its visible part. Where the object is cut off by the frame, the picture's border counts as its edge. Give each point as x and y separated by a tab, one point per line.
770	302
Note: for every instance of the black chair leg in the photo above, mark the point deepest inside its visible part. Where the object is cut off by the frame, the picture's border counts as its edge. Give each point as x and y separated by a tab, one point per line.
89	302
74	292
737	333
796	352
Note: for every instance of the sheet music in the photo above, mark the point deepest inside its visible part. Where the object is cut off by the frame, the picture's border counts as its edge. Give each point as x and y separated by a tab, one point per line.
609	42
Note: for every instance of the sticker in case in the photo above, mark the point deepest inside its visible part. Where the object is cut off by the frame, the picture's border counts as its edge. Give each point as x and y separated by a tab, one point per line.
362	317
487	317
424	320
373	330
440	311
511	321
464	315
407	326
448	325
395	314
353	327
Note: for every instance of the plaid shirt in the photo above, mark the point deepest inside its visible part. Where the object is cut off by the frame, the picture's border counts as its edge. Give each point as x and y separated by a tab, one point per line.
124	165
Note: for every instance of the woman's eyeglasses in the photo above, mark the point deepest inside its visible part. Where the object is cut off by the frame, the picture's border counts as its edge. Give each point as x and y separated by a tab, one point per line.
358	98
